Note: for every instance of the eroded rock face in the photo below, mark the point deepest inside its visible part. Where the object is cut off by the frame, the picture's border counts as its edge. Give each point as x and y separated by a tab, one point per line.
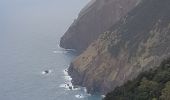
140	41
97	17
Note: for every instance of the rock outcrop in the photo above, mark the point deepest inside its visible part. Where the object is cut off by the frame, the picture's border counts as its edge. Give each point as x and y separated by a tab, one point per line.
97	17
136	43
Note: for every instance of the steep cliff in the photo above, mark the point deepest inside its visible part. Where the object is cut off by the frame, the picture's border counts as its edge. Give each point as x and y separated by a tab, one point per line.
136	43
94	19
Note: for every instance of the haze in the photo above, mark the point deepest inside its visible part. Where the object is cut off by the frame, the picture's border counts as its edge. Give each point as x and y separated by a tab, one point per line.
38	16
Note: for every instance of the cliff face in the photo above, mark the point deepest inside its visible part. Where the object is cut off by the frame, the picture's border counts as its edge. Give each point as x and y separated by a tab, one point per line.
136	43
94	19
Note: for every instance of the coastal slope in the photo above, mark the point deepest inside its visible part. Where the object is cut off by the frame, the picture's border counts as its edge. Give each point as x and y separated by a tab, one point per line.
95	18
138	42
150	85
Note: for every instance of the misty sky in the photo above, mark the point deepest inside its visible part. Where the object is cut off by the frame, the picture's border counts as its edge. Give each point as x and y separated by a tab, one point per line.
38	16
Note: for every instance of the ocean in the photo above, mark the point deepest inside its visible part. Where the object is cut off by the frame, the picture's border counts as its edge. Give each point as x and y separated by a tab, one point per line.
32	65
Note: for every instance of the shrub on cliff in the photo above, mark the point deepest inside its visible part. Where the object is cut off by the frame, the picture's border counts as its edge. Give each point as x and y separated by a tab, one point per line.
150	85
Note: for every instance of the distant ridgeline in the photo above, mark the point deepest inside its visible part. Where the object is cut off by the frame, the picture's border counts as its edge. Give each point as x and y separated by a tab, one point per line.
149	85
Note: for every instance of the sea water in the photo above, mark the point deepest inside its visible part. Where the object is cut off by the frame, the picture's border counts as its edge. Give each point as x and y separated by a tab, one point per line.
32	65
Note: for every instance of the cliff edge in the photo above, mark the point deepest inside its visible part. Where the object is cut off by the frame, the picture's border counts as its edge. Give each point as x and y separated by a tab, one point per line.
97	17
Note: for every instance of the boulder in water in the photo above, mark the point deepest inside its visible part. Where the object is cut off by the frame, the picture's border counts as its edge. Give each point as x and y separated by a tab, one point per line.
46	72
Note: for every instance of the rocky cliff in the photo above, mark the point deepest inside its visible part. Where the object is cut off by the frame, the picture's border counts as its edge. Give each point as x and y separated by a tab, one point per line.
94	19
136	43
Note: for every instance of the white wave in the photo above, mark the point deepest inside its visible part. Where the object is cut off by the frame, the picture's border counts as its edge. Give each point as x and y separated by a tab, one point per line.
103	96
65	72
75	89
80	96
68	86
63	85
60	52
85	90
67	78
73	50
63	51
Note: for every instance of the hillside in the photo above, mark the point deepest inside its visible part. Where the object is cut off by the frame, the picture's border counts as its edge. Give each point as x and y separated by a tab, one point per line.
97	17
138	42
149	85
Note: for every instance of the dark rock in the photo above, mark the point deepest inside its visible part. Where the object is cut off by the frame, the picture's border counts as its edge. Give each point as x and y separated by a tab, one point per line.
46	71
70	87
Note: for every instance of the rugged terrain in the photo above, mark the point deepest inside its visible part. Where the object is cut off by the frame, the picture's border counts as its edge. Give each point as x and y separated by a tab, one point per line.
150	85
138	42
97	17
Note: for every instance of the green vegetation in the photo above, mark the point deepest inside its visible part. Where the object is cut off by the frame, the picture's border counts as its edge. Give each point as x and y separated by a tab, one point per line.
150	85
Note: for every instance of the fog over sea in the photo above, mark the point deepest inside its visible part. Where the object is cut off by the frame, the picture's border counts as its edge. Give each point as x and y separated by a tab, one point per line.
32	65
